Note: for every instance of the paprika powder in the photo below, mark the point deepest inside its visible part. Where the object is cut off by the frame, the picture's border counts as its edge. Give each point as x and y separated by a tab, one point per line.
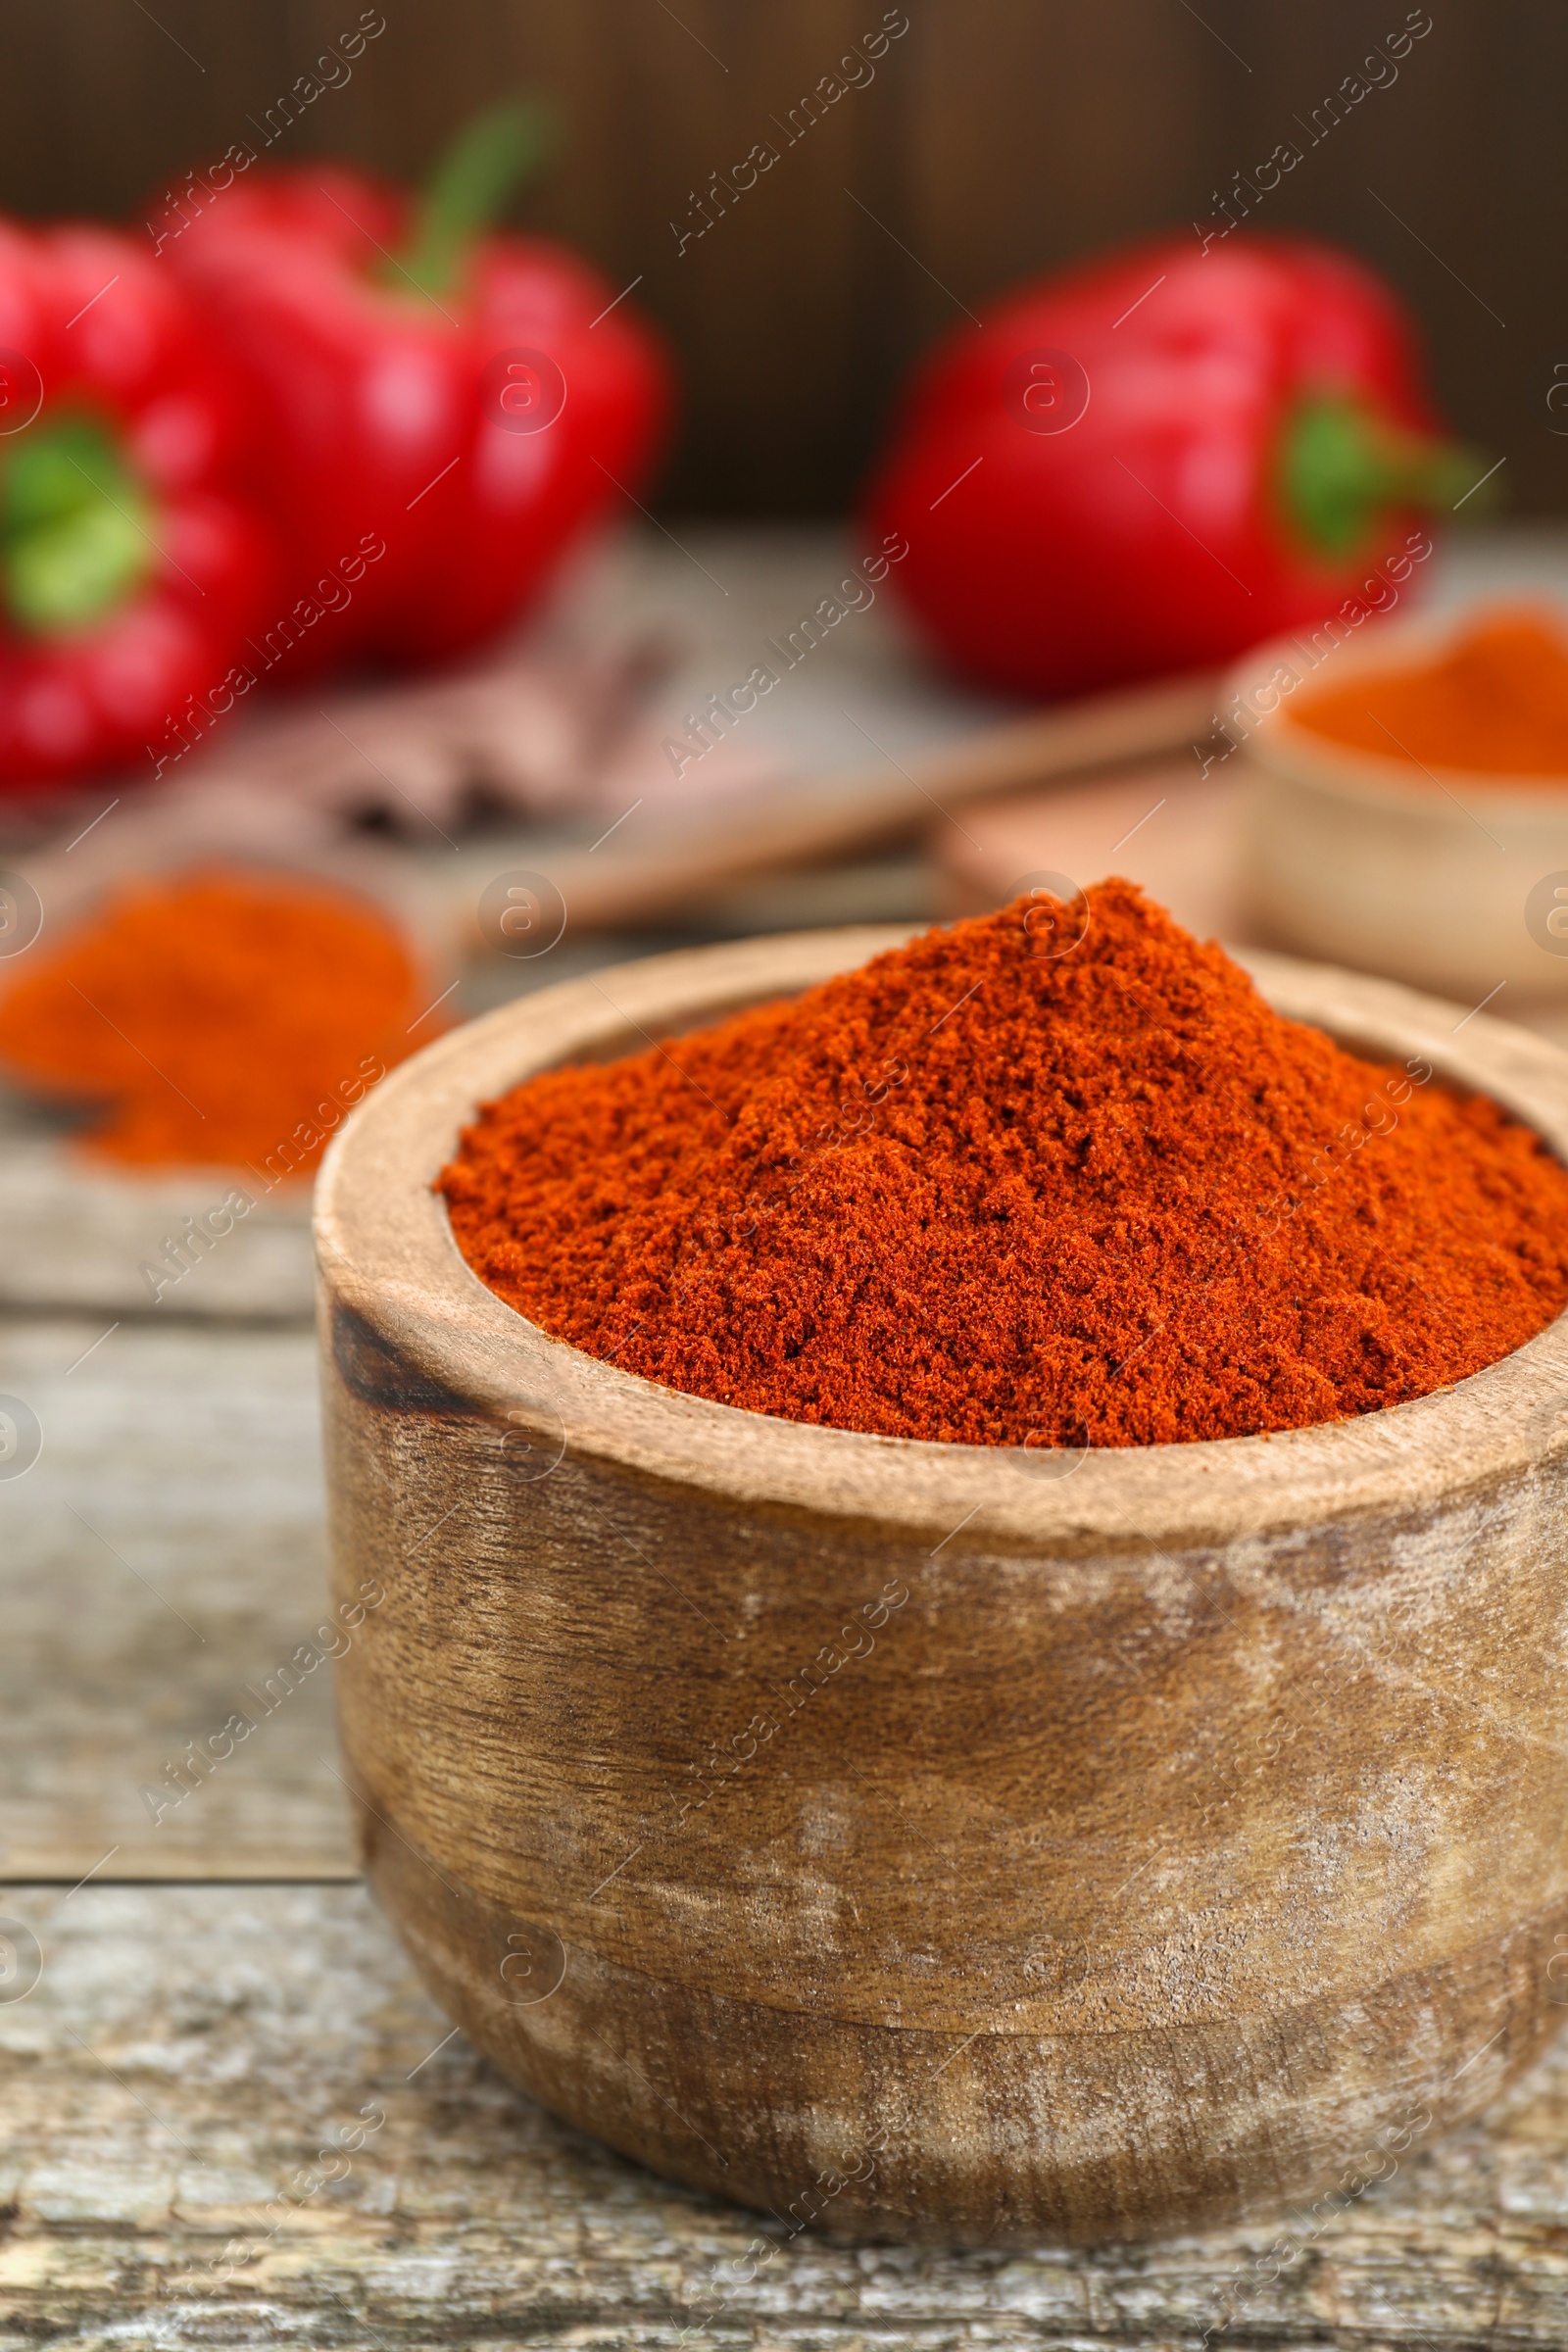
1057	1176
1495	700
217	1017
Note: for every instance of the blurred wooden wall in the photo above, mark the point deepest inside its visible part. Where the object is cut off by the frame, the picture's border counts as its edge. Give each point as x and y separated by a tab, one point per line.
998	138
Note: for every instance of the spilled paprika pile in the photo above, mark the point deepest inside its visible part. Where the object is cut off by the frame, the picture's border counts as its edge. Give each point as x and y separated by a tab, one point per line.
1494	700
220	1018
1020	1183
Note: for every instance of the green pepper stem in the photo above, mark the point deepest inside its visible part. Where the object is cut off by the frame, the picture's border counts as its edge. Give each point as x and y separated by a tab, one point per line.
1343	466
484	165
75	527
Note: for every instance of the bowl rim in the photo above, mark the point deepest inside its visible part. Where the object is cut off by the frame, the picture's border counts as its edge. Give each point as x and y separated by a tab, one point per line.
1278	739
386	1253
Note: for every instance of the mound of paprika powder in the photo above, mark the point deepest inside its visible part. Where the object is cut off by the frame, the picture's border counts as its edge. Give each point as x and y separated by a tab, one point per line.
220	1018
1059	1176
1494	700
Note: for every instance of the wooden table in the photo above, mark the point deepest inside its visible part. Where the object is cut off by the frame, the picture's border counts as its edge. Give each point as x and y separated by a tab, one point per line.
198	1997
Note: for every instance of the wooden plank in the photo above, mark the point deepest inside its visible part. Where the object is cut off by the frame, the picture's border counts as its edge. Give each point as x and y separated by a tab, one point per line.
161	1566
187	2053
76	1237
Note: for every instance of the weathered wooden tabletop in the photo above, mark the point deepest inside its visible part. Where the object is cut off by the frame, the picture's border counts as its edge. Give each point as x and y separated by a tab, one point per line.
228	2114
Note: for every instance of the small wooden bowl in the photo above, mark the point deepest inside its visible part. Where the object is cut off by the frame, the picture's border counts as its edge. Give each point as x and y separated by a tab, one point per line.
1423	873
927	1841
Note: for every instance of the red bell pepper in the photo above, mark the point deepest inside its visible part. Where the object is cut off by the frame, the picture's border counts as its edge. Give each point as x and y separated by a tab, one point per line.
1154	459
463	400
130	567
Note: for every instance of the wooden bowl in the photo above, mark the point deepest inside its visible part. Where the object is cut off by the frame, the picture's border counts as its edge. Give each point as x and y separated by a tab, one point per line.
1426	874
938	1842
